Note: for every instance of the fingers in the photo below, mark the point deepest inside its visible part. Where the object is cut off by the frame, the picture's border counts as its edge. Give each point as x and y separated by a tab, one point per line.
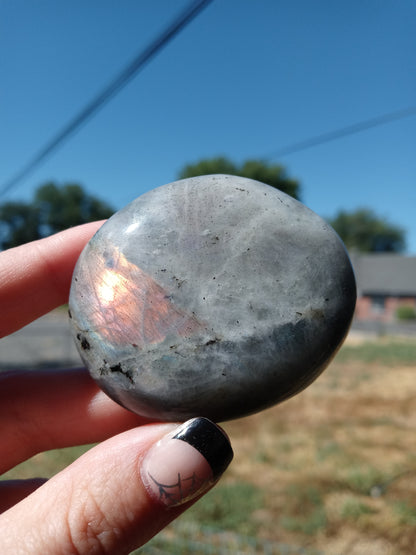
35	278
42	410
120	493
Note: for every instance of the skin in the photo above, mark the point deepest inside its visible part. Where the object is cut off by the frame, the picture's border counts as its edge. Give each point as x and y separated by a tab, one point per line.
98	504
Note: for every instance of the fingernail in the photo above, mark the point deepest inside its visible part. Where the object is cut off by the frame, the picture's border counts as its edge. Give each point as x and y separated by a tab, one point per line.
186	462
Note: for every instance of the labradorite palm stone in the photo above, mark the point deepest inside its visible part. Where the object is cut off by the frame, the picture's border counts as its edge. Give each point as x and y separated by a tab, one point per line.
214	296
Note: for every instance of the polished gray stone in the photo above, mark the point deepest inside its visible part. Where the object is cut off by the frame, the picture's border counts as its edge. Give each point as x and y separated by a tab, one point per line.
214	296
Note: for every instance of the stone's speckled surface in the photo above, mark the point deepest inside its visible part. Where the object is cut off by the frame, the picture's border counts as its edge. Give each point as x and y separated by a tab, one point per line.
214	296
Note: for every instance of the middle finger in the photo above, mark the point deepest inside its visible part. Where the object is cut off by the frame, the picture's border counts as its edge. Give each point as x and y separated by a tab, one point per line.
49	409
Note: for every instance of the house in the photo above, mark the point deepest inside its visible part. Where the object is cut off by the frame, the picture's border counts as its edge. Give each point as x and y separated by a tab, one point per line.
385	282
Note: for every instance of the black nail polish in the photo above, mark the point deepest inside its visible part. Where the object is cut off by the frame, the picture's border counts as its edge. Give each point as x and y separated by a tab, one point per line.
210	440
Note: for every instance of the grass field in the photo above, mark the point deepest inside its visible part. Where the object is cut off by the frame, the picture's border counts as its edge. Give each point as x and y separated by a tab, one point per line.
331	471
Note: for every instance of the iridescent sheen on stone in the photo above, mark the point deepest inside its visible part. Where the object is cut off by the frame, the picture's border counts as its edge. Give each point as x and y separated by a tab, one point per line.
214	296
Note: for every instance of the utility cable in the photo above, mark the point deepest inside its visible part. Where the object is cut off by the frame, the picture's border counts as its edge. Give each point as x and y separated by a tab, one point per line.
126	75
342	132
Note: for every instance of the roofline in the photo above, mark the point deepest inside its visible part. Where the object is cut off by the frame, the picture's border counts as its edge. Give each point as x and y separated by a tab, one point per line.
385	293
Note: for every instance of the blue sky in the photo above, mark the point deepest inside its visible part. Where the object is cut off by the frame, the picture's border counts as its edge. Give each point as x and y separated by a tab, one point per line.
244	79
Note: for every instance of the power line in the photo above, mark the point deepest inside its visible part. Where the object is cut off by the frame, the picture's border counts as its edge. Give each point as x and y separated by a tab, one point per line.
342	132
154	47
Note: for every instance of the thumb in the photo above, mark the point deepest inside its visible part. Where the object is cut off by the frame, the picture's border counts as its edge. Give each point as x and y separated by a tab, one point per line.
119	494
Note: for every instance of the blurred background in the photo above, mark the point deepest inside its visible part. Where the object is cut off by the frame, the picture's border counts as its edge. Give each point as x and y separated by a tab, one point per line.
99	104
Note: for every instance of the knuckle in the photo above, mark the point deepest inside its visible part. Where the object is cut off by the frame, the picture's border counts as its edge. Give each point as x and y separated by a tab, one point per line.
89	530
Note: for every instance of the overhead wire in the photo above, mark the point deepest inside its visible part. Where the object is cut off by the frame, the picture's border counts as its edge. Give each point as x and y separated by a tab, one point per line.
341	132
179	23
120	81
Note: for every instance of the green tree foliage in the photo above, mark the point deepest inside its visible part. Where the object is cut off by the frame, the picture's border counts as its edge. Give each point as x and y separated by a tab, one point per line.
271	174
362	230
53	209
406	313
19	223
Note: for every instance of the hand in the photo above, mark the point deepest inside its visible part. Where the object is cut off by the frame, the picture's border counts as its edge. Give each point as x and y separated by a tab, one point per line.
120	493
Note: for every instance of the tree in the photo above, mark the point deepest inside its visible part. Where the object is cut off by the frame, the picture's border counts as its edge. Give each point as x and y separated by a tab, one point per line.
271	174
362	230
67	206
19	223
53	209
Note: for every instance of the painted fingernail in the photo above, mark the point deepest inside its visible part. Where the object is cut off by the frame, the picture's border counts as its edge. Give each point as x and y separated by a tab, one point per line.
186	462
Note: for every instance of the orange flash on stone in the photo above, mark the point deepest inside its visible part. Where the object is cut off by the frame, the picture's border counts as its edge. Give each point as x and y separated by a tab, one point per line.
130	307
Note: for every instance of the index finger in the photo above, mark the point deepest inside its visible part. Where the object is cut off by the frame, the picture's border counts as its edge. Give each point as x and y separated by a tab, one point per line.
35	278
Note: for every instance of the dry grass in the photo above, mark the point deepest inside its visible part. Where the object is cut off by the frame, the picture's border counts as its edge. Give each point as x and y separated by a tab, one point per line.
337	463
332	470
